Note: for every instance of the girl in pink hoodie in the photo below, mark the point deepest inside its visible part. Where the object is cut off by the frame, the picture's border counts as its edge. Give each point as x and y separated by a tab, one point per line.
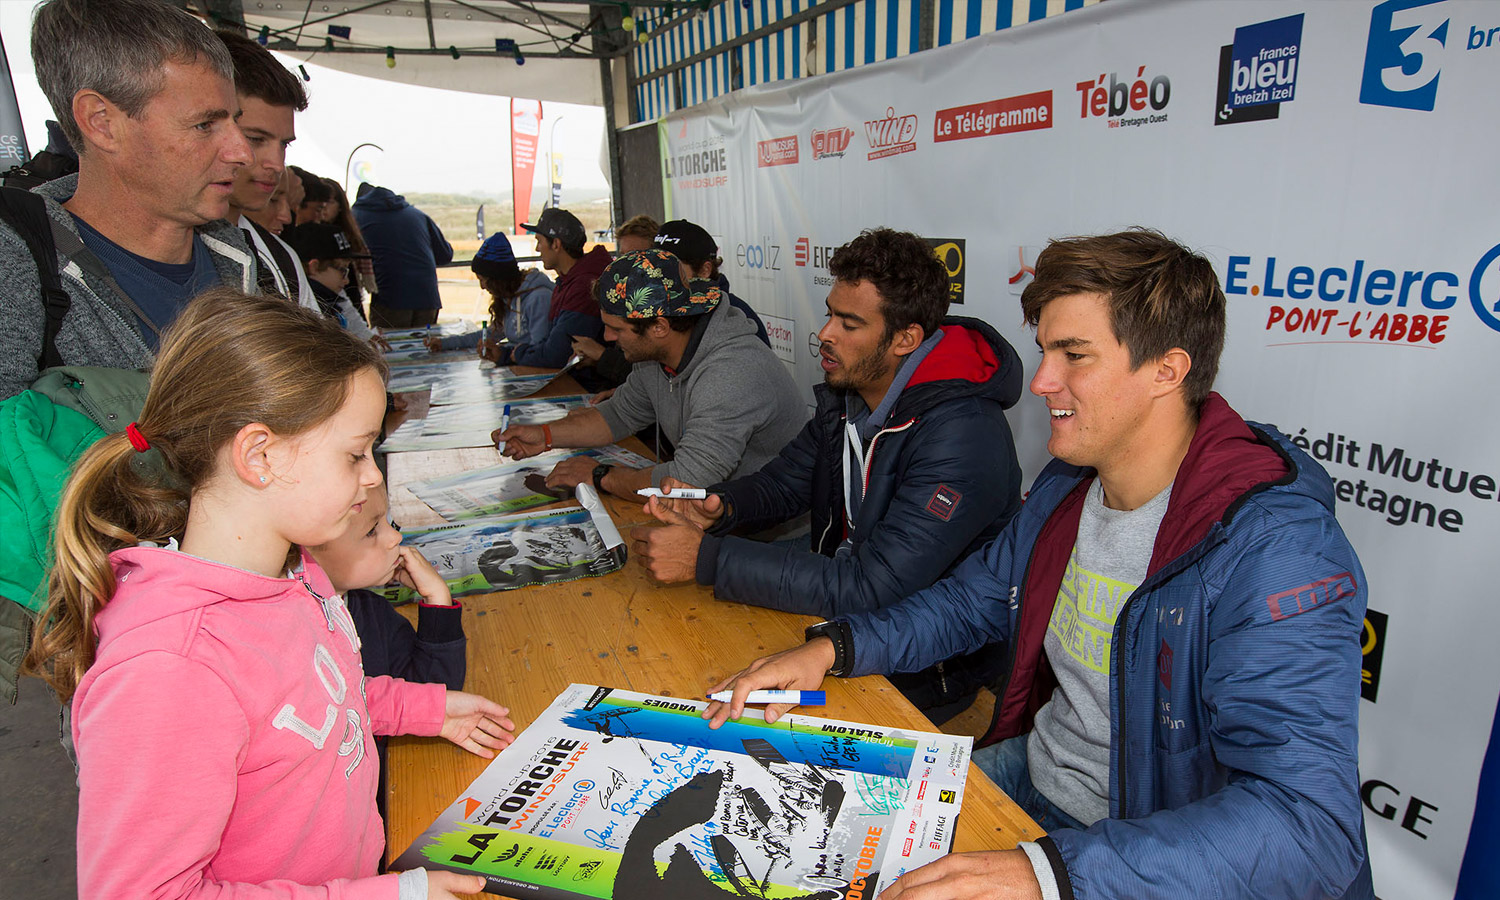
224	728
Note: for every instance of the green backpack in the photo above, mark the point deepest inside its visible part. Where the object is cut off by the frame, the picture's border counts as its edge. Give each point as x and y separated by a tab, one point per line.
42	432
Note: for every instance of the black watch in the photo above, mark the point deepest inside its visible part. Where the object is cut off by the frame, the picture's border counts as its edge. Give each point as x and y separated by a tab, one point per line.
600	471
838	633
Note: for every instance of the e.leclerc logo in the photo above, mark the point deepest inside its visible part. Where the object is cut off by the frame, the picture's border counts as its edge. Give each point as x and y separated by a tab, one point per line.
1258	72
1366	300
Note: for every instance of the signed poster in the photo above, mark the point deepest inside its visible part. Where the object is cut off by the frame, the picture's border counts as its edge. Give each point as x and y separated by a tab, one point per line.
616	794
511	486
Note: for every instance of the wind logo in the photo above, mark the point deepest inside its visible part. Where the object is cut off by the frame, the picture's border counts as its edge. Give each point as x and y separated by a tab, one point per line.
1258	72
891	135
831	143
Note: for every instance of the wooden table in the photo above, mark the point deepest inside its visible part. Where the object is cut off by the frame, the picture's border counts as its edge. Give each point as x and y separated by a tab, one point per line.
626	631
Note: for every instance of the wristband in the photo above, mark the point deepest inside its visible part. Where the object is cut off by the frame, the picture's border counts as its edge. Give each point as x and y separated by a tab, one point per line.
837	633
547	436
600	471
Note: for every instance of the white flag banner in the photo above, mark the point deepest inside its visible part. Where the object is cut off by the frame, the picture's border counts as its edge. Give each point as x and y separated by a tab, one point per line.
1336	161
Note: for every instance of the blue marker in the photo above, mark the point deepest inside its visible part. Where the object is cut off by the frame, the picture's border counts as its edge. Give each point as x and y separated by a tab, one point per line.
505	418
799	698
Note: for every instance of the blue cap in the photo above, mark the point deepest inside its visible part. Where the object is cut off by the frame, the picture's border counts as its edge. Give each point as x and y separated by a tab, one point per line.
495	259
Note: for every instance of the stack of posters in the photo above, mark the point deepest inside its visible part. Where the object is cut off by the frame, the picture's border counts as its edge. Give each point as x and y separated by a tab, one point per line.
510	487
612	793
470	424
501	553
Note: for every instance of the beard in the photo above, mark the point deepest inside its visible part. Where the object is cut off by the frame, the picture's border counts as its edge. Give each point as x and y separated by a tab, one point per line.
855	374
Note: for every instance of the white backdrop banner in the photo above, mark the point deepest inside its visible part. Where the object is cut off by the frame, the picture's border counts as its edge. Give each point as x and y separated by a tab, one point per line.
1336	160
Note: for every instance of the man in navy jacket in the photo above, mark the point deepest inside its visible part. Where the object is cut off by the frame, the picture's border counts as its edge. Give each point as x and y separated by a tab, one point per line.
1180	706
907	465
408	247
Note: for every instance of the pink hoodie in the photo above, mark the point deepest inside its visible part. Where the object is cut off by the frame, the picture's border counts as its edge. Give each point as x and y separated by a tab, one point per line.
225	737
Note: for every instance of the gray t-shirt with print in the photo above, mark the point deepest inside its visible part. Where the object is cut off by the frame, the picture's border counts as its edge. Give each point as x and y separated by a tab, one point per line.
1068	751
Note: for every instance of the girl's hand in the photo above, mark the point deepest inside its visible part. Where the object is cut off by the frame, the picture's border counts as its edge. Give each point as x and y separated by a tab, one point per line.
414	571
445	885
477	724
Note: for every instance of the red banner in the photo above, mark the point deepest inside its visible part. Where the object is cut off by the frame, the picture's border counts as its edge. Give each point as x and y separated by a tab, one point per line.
525	130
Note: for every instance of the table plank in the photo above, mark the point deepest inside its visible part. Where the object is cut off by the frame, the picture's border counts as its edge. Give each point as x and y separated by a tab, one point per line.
624	630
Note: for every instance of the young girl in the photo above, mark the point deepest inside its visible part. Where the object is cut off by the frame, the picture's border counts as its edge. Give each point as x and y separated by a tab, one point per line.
223	726
518	302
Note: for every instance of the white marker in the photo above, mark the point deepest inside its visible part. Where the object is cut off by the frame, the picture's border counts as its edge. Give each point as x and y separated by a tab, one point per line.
800	698
675	493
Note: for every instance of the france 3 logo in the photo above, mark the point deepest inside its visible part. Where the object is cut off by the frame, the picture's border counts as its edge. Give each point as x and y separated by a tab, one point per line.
1405	49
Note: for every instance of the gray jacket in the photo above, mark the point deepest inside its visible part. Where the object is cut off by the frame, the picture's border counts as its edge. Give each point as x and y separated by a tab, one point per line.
99	329
728	412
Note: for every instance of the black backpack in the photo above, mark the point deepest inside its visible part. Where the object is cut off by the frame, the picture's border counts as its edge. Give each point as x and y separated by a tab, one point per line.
45	166
26	214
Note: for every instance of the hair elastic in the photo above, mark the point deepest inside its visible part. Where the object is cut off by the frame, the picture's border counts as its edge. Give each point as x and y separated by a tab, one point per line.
137	440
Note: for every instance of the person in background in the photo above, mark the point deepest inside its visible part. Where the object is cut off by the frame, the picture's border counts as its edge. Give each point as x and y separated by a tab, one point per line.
694	357
907	466
362	278
408	247
696	247
519	301
202	651
636	234
145	95
270	97
328	255
276	215
315	196
1181	707
559	242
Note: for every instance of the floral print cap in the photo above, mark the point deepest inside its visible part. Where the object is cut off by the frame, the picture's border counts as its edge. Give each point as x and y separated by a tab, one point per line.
645	284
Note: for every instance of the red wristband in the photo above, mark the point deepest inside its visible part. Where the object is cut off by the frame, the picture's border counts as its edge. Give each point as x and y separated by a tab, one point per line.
547	436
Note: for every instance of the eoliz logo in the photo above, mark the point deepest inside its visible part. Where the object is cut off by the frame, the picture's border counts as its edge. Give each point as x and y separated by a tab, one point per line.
1403	57
765	256
1258	72
1372	648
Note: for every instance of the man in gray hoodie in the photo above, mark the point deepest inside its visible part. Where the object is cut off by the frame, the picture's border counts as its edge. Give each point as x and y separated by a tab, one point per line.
146	96
723	398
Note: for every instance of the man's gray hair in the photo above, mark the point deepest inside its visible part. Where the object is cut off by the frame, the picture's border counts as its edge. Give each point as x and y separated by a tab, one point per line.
118	48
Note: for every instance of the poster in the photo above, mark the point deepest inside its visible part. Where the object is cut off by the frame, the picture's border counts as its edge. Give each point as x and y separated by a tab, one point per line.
494	387
501	553
476	416
419	376
510	487
631	796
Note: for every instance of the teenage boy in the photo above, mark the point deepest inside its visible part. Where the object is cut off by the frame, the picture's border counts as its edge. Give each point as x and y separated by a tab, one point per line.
693	356
1181	706
573	313
907	465
692	244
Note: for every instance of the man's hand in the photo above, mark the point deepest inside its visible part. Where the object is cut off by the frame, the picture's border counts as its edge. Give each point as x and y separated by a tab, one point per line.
478	725
414	571
588	348
600	397
572	472
669	552
433	344
798	669
520	441
987	875
699	513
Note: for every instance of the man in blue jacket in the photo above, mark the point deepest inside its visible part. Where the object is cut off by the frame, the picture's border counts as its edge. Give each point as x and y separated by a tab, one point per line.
907	465
1182	610
408	247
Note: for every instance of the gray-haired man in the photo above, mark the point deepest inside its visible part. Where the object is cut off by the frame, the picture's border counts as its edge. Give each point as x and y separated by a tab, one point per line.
146	95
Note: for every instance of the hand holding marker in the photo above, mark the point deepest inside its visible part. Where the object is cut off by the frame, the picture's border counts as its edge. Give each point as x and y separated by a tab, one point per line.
680	493
800	698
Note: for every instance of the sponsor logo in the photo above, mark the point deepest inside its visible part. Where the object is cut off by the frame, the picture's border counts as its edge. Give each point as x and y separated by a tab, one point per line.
943	503
1023	269
1386	801
1403	55
470	804
699	164
906	848
922	791
806	254
950	252
1125	104
1298	600
1372	648
764	256
1164	665
891	135
780	151
781	331
1405	299
1258	72
831	143
587	870
1027	112
946	796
